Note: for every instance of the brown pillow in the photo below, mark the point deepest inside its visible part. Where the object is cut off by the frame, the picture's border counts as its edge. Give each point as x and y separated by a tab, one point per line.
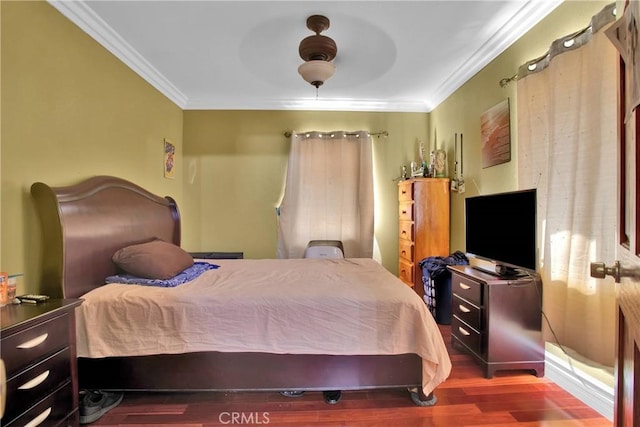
153	260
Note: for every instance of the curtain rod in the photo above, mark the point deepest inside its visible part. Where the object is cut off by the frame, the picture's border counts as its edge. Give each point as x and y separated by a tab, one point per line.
566	43
378	134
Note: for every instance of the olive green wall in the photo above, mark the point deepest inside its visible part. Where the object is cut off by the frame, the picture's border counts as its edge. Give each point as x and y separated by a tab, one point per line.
235	170
70	110
460	112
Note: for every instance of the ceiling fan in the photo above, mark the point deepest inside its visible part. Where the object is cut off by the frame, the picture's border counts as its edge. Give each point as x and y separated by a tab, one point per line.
317	51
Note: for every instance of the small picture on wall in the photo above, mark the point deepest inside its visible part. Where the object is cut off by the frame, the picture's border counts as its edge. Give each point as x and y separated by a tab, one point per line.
496	135
169	159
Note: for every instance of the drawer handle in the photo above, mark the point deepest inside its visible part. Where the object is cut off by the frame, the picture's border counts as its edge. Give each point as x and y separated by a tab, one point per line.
3	388
404	253
35	382
404	212
465	287
463	309
463	332
34	342
39	419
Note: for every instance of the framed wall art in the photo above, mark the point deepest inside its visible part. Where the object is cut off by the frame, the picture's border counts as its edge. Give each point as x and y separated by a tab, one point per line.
169	159
496	135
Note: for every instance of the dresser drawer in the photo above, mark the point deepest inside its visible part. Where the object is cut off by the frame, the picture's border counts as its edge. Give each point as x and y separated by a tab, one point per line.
467	289
48	412
405	211
24	347
405	191
467	312
405	250
406	230
466	335
405	271
36	382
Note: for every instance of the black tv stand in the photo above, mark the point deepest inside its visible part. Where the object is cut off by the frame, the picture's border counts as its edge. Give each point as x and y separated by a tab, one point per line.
497	319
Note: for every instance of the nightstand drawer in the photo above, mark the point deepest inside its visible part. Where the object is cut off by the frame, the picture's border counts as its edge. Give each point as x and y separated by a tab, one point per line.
466	335
467	312
36	382
48	412
406	230
405	271
23	348
405	250
467	289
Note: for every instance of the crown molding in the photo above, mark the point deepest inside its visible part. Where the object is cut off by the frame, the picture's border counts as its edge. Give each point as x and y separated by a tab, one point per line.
531	13
310	104
87	20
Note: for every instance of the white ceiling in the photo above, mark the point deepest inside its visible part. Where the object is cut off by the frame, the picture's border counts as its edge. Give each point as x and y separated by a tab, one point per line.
392	55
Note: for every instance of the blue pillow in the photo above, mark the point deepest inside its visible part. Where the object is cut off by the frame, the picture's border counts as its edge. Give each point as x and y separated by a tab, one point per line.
186	275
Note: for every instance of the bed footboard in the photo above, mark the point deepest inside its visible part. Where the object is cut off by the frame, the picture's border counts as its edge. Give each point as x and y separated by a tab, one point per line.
216	371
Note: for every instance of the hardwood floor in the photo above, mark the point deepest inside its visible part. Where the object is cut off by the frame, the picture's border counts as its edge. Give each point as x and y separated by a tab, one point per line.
465	399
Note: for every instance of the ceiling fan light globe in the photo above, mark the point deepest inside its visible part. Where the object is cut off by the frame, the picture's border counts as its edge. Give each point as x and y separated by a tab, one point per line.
316	72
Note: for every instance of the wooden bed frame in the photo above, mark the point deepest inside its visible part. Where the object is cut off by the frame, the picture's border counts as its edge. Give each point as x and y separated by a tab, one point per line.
84	224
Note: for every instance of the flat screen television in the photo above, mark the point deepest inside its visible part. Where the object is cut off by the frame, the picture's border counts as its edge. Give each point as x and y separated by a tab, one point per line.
501	228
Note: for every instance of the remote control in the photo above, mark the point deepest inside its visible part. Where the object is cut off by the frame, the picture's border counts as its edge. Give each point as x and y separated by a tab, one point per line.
32	298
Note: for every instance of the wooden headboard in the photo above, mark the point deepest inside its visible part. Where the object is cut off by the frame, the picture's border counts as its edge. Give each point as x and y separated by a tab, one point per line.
83	225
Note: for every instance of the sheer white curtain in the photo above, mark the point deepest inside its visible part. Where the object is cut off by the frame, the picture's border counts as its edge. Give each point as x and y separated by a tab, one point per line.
328	193
567	150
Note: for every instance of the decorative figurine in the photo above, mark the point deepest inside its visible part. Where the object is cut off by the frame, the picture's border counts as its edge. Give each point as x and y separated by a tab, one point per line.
440	163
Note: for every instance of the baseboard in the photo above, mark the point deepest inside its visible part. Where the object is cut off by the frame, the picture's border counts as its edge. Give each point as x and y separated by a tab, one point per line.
589	390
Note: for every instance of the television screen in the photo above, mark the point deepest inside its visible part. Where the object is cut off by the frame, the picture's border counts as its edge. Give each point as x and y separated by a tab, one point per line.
501	228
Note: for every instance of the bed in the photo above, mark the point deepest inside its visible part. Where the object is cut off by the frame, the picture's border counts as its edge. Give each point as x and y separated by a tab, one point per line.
271	325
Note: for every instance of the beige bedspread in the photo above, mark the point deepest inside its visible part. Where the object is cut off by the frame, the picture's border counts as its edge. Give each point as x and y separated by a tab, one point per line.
309	306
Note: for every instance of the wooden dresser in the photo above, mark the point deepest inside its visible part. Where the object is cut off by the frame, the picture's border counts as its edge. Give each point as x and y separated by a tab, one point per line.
39	355
423	226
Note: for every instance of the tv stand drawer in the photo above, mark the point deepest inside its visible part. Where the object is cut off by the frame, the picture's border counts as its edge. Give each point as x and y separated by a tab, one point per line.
466	335
467	312
467	289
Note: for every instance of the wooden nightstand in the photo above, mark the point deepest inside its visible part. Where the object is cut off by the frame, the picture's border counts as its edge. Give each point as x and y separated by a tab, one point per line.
38	347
